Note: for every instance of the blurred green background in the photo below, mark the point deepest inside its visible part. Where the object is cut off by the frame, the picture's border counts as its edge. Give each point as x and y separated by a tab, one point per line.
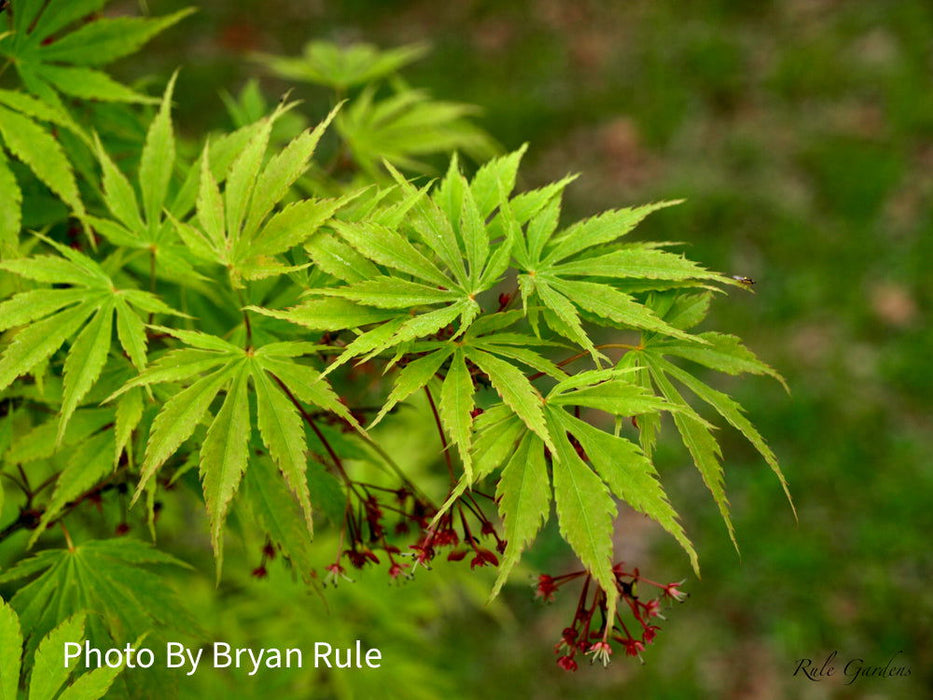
801	135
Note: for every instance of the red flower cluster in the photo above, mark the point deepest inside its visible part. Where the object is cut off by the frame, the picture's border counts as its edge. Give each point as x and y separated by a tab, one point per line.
585	636
369	535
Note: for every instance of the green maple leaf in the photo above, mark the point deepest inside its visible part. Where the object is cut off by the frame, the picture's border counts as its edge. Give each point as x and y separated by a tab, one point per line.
341	67
85	309
211	365
237	228
29	141
116	580
724	353
50	60
48	675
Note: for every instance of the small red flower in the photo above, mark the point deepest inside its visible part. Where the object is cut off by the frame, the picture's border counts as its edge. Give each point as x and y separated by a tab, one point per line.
483	557
650	632
601	651
260	572
567	663
672	591
546	588
397	570
633	647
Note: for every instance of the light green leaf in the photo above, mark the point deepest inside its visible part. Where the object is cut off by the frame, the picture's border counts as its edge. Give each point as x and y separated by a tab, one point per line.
455	406
616	396
541	227
641	262
474	235
722	352
89	84
30	306
563	309
498	431
37	342
307	384
118	192
277	513
85	361
49	673
328	314
88	464
585	512
603	300
177	420
732	411
282	432
132	334
412	377
92	685
494	179
386	247
11	649
210	206
224	456
392	293
341	67
11	202
292	226
629	474
34	146
515	390
241	180
281	172
105	40
524	495
129	413
176	366
701	444
599	230
158	158
338	259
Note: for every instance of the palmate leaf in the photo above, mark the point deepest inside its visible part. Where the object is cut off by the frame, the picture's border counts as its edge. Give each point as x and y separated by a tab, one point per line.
211	365
560	270
44	57
490	349
118	580
91	303
341	67
224	455
412	269
142	226
630	476
403	127
233	227
588	466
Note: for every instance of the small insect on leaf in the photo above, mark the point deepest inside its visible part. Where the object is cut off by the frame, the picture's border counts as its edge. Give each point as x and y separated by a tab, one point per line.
747	281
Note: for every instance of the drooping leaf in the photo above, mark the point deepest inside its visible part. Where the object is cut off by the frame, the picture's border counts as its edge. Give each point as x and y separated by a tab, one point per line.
224	455
455	406
524	494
